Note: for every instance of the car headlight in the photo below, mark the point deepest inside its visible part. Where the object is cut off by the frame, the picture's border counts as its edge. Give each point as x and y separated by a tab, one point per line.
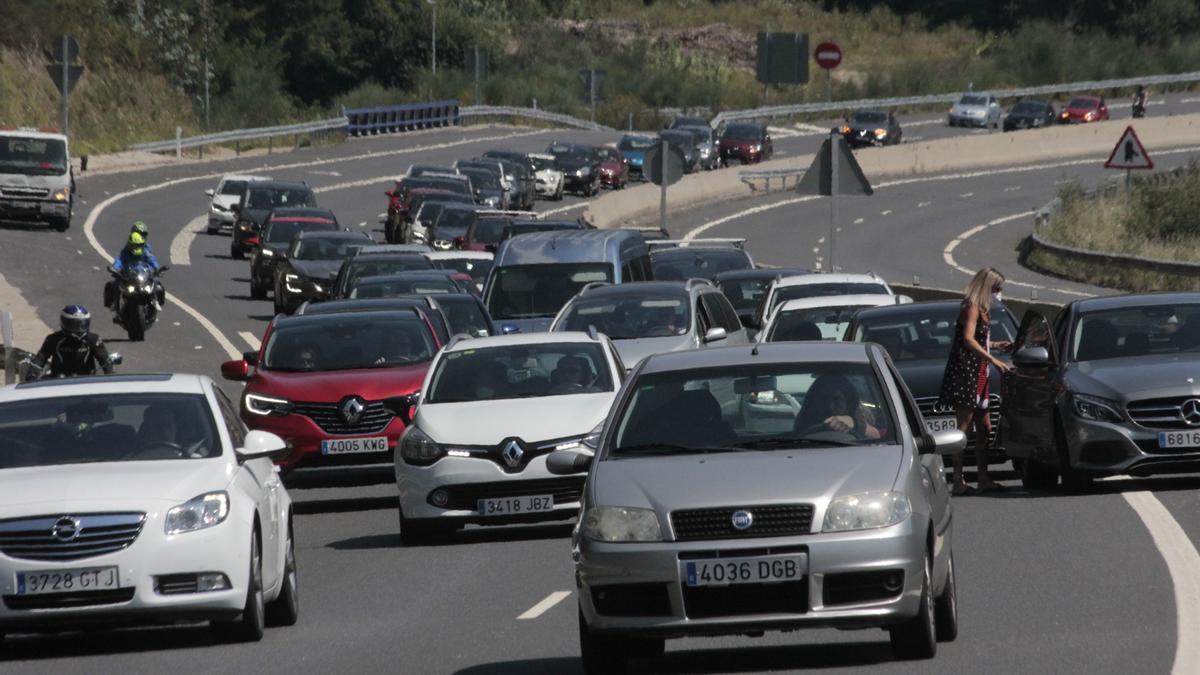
268	253
1095	408
491	201
589	442
318	288
245	226
129	288
881	132
866	511
417	448
291	281
1090	115
218	207
198	513
62	194
267	405
845	129
756	148
705	152
585	171
621	524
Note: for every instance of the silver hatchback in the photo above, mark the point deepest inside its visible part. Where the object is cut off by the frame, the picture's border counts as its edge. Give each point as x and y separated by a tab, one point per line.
700	520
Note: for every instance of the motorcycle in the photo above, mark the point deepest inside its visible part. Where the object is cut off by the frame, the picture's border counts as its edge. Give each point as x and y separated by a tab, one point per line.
1139	108
137	290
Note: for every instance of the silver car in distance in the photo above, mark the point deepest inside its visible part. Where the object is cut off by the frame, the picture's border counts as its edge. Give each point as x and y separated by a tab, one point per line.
825	507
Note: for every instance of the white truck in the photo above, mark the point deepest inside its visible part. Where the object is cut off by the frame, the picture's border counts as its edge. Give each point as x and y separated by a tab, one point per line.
36	179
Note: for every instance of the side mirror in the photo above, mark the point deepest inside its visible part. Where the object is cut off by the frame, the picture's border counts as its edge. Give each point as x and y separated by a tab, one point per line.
401	406
1031	357
509	328
115	358
715	335
389	193
208	193
566	463
251	358
260	445
946	442
237	371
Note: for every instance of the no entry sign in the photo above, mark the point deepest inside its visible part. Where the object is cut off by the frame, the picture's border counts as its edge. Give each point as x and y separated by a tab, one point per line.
828	55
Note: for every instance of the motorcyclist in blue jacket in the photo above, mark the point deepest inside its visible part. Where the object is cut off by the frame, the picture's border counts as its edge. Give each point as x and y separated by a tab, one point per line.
135	252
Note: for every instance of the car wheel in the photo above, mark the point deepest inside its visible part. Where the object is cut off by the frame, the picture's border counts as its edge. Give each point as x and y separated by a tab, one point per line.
257	292
285	609
612	653
916	638
236	252
213	227
946	607
278	306
422	532
1036	476
248	627
558	195
1073	481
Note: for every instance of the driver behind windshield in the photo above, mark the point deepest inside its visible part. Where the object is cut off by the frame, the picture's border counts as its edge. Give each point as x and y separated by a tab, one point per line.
833	404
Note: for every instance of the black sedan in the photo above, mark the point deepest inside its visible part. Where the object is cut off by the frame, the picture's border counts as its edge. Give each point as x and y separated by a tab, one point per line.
580	165
312	264
1030	115
277	233
871	127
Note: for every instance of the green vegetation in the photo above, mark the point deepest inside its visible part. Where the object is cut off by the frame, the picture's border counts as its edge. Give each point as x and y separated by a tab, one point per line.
274	61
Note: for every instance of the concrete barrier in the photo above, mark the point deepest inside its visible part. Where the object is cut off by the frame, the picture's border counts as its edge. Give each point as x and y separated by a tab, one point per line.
963	153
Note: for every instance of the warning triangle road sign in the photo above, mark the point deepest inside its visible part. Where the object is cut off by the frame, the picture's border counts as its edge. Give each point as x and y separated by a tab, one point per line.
1129	153
818	180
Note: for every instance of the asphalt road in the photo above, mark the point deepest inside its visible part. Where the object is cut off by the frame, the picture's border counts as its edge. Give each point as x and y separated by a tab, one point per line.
1052	584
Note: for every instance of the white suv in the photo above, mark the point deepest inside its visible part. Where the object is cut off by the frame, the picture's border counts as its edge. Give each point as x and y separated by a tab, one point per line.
785	288
140	498
229	192
490	412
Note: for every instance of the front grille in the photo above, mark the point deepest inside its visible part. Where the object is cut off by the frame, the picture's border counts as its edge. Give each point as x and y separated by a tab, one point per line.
1160	413
632	600
50	538
328	416
65	600
848	588
176	584
466	496
702	602
929	408
779	520
16	192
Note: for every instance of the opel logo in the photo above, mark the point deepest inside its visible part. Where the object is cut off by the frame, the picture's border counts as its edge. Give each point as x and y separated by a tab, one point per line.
512	454
1190	410
65	529
742	520
352	410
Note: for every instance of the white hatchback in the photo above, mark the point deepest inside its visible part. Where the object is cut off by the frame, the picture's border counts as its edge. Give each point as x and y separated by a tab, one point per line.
823	317
140	498
490	413
228	192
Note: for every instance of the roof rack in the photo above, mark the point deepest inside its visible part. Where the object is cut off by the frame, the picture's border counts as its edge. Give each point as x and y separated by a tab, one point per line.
735	242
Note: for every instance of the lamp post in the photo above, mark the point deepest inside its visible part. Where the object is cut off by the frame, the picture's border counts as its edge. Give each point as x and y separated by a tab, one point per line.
433	53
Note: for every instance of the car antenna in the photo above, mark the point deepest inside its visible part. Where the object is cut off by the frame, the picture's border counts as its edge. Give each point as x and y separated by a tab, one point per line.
754	352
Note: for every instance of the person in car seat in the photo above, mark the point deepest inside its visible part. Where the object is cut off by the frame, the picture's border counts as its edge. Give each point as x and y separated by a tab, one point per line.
570	375
833	404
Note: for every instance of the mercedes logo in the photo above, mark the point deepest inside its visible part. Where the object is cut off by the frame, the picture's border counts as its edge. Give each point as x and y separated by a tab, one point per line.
1190	410
742	520
352	409
65	529
512	454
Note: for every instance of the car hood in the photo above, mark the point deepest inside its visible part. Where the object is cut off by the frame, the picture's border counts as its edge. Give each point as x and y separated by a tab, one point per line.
372	384
744	478
632	351
569	165
610	165
256	216
924	377
226	200
46	490
532	420
856	127
537	325
968	109
277	247
317	269
550	175
1135	377
736	144
635	156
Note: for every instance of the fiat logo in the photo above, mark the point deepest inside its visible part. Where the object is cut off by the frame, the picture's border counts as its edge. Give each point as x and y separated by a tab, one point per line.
742	520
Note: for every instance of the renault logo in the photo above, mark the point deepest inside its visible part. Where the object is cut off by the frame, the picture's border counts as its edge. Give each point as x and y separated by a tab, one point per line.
1190	410
742	520
352	409
65	529
512	454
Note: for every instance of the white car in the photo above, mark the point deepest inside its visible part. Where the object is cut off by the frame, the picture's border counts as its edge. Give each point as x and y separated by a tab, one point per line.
975	110
820	318
135	498
785	288
229	192
490	412
549	176
475	263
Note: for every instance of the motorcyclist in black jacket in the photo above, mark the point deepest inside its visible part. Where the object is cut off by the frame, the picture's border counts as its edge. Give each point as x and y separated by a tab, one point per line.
1139	101
73	350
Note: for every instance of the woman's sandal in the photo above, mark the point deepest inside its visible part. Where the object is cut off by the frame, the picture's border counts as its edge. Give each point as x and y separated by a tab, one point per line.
963	491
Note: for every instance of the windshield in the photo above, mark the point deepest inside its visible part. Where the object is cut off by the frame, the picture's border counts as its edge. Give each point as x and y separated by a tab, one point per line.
745	294
416	171
233	187
636	143
741	133
478	268
282	231
571	152
520	371
429	212
869	118
489	230
785	293
781	406
33	156
396	287
368	267
674	266
327	249
972	100
464	314
1082	103
544	163
636	315
348	342
533	291
815	323
1027	107
1136	331
924	334
270	198
482	178
106	428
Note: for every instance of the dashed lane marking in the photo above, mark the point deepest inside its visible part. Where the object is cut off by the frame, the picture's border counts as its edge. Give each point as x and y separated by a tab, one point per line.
922	205
884	213
1012	188
858	221
545	605
250	339
948	255
967	195
563	209
181	245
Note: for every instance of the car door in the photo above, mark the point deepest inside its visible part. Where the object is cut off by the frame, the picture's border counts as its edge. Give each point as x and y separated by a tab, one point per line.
265	489
1029	392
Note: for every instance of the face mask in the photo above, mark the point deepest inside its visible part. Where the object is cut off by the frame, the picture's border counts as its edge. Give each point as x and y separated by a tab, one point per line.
996	297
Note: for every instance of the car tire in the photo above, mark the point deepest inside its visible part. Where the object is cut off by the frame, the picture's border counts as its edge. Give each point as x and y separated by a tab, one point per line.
945	608
257	292
602	654
285	609
559	194
916	638
1074	482
213	227
422	532
278	306
1036	476
249	626
61	224
236	253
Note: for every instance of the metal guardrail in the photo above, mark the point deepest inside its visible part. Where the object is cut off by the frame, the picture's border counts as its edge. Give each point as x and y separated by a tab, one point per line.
387	119
531	113
179	142
1063	88
748	177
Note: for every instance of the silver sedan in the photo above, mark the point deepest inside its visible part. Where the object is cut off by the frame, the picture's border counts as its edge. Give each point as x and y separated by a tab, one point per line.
825	508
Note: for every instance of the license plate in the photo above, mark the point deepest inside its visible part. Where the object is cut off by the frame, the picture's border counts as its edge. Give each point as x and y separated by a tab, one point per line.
509	506
1179	439
729	571
68	581
934	424
24	206
347	446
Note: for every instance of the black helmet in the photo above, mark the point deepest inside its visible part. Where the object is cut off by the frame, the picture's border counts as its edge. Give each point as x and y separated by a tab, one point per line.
76	320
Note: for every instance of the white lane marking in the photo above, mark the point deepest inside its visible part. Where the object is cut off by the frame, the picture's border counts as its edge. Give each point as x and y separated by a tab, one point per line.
1012	188
363	224
948	254
336	174
921	123
967	195
783	132
181	245
884	213
1183	564
563	209
544	606
922	205
1193	99
383	215
250	339
913	139
811	128
857	221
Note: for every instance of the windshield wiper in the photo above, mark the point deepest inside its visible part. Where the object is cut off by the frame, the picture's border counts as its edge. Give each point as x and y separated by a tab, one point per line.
769	443
668	449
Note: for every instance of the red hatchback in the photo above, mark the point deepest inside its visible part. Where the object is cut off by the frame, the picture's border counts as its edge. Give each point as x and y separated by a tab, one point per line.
614	168
322	383
1084	109
748	143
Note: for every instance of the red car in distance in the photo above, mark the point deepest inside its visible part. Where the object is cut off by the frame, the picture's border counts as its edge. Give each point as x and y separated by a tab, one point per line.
746	142
1084	109
614	168
399	198
322	382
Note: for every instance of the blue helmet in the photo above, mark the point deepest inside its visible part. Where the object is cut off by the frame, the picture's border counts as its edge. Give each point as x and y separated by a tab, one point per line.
76	320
